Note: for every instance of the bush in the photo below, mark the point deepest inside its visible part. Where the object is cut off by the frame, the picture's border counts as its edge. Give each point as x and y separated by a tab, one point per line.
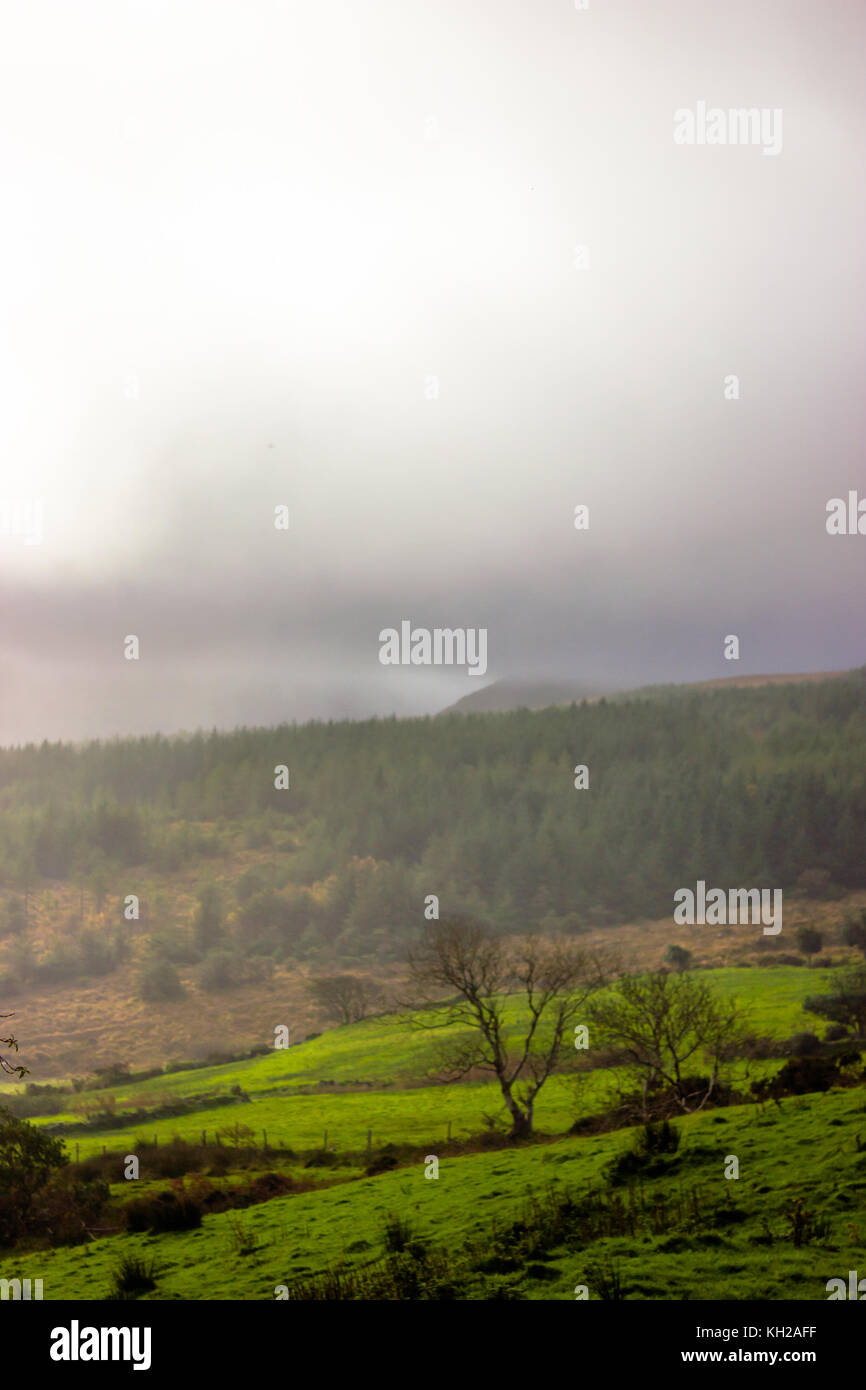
29	1158
605	1281
243	1241
801	1075
846	1003
650	1155
678	958
37	1100
64	1210
166	1211
322	1158
854	931
179	948
252	881
809	941
662	1138
160	983
217	972
397	1233
270	919
758	1047
222	970
220	1161
132	1277
208	918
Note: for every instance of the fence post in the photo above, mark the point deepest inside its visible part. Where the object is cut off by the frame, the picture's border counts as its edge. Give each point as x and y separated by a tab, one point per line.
204	1138
369	1143
449	1130
103	1151
76	1151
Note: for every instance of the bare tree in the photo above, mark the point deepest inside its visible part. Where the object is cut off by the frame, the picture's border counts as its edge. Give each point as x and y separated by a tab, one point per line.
5	1065
345	998
476	971
661	1022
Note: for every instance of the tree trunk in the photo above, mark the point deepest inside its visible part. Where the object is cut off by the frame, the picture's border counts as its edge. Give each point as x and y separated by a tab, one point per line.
521	1126
521	1121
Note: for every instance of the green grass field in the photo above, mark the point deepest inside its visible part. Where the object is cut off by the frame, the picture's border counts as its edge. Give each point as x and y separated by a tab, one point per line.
380	1062
753	1258
368	1075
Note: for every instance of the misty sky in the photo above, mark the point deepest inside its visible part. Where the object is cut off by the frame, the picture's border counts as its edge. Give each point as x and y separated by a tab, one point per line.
239	239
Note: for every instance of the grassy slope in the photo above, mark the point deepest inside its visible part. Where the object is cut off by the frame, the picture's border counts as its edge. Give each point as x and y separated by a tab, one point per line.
305	1234
377	1057
69	1028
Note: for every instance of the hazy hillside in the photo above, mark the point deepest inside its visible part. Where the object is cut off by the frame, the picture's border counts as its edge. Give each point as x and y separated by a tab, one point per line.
241	887
514	694
510	694
259	858
741	786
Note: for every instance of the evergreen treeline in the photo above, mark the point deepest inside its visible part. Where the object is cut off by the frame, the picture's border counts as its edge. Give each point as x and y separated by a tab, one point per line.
740	787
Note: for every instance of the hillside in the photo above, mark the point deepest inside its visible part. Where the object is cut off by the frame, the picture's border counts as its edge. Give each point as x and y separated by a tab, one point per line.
381	1073
735	1246
71	1028
514	694
535	1220
171	879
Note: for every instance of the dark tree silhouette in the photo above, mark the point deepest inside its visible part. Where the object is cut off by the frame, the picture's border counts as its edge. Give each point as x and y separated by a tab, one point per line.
809	941
854	931
345	998
678	957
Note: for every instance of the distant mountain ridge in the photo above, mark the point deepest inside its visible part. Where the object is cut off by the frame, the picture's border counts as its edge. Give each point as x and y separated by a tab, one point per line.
508	694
